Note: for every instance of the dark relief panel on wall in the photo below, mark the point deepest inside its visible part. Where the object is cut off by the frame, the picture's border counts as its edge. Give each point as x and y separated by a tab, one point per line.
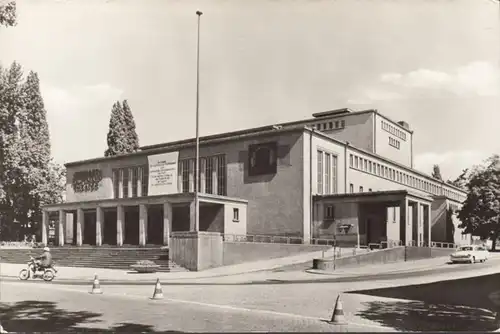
262	158
86	181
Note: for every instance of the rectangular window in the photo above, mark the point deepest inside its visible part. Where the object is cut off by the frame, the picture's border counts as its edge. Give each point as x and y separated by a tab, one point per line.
351	188
209	169
356	162
329	212
336	124
125	182
116	183
351	160
334	174
331	125
221	175
236	215
185	175
145	180
369	166
342	124
327	173
365	165
360	189
135	175
320	172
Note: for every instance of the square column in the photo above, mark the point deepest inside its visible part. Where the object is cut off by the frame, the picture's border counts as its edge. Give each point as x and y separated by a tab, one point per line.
410	224
99	226
79	226
192	217
45	227
120	225
167	222
420	224
61	228
403	219
143	224
427	217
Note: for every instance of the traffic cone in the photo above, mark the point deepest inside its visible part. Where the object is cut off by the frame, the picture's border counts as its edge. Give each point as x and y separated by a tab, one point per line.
338	317
96	287
158	294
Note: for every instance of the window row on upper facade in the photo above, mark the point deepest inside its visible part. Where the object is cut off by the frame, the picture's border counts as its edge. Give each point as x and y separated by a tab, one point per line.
393	130
133	181
330	125
394	143
387	172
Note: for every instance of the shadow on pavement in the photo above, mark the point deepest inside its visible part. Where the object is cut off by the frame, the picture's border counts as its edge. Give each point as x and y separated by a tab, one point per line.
43	316
457	305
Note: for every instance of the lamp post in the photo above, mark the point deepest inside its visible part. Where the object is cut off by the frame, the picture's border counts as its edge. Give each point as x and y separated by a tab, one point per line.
197	162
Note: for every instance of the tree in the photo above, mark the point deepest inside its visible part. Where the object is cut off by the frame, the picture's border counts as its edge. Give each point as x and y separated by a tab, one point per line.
480	214
436	173
122	137
131	134
29	177
461	180
8	14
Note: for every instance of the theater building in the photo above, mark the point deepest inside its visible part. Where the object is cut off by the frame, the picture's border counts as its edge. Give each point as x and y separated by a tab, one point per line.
343	175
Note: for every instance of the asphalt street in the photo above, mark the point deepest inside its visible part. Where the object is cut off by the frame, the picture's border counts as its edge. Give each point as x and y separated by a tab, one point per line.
369	303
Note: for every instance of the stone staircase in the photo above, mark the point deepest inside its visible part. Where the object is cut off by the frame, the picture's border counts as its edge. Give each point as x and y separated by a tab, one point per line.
108	257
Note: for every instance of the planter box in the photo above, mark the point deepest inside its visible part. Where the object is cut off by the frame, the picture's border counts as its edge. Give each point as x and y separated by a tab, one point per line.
152	268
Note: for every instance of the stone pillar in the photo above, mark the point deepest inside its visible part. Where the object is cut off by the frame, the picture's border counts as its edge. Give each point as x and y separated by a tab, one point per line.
120	224
61	228
167	222
80	226
143	225
429	223
192	217
99	226
419	223
403	218
45	227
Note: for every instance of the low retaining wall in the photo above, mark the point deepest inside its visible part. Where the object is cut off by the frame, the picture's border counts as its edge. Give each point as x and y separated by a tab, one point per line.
389	255
240	252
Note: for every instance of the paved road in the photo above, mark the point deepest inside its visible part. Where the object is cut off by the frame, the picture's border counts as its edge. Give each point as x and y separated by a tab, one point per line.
57	308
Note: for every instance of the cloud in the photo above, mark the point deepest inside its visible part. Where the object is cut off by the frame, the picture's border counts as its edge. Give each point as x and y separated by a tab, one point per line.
476	79
67	101
450	163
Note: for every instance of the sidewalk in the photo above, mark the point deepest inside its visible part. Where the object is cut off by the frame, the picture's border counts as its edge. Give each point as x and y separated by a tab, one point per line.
246	272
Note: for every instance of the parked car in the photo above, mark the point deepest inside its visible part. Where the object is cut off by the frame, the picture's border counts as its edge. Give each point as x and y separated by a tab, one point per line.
470	254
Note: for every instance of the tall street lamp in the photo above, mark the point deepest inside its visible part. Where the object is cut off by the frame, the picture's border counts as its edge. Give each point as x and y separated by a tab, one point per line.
197	162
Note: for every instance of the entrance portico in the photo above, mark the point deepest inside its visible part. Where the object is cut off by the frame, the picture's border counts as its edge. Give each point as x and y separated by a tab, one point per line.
388	218
138	221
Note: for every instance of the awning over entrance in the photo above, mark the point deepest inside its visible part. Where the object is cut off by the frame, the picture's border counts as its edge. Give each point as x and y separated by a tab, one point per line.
396	217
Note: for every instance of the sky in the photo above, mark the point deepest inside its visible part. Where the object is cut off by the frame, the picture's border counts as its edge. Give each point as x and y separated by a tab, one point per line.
433	63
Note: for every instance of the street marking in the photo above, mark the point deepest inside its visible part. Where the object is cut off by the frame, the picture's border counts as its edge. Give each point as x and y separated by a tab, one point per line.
228	307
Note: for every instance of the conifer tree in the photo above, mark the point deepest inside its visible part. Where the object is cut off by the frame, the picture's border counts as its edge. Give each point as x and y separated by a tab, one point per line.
122	137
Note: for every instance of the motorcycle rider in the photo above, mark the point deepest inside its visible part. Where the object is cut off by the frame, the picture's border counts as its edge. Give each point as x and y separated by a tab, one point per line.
45	260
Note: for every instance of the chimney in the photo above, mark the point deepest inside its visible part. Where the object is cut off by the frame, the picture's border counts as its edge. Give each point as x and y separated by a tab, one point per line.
404	125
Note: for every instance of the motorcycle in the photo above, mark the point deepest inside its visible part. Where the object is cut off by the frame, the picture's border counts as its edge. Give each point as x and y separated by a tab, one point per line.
34	271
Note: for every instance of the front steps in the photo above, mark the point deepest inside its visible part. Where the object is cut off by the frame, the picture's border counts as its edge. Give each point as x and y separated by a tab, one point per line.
108	257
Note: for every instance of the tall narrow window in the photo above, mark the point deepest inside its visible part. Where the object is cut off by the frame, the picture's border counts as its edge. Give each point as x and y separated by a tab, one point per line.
145	180
351	160
351	188
134	181
221	176
360	189
334	174
320	172
185	175
327	173
356	160
209	168
125	182
116	183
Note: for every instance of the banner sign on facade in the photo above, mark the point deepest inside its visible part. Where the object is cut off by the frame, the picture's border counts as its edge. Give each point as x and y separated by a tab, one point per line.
163	174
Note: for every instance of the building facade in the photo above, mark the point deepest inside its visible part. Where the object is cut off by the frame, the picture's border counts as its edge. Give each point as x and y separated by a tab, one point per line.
340	175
